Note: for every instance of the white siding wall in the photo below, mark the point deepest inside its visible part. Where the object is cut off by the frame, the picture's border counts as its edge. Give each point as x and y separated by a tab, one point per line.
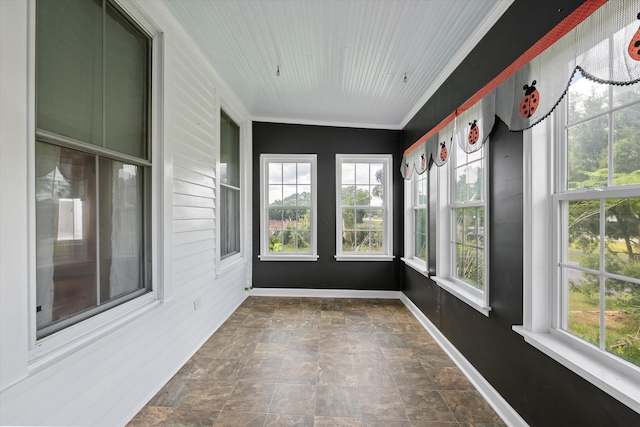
106	380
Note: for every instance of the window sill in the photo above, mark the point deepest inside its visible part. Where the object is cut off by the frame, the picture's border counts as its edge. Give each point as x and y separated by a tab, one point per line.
291	257
621	386
364	257
470	298
420	267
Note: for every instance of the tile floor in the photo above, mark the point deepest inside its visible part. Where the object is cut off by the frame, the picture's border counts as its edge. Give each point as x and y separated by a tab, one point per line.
319	362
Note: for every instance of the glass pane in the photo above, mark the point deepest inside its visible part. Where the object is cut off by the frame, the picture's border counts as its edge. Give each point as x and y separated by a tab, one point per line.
289	195
626	146
121	229
360	219
586	99
474	181
476	155
624	94
461	187
622	320
275	195
480	258
583	311
376	241
275	173
460	253
276	219
587	154
303	219
304	195
304	173
421	185
229	221
348	173
66	276
622	236
126	87
375	219
362	173
377	173
289	173
348	241
461	228
304	241
275	241
348	219
230	152
377	195
420	246
584	234
69	75
363	241
348	195
420	221
363	196
460	156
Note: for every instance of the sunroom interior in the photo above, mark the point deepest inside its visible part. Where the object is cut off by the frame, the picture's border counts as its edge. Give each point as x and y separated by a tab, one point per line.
476	161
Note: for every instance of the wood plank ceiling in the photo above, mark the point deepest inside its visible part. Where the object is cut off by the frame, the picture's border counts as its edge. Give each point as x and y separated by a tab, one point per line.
341	62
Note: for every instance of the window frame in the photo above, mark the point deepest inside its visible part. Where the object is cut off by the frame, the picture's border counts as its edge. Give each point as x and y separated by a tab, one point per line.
265	255
543	237
42	351
411	205
231	257
446	228
387	206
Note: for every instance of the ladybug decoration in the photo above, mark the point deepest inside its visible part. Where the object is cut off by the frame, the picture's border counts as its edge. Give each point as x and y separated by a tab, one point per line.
444	153
530	102
474	133
634	45
423	162
406	169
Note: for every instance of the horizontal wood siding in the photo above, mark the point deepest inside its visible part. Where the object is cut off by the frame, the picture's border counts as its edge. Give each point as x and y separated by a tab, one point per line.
106	382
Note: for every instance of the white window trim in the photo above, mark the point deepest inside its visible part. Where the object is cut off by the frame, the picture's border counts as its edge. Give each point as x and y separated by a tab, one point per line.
387	160
475	298
409	228
44	351
265	255
613	375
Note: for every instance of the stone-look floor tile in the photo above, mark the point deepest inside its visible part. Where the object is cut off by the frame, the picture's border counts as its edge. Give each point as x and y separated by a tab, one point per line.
237	351
302	350
307	325
362	339
392	341
150	416
373	375
483	424
265	350
266	370
359	326
334	356
191	418
366	356
207	394
435	358
411	376
469	406
257	322
276	336
196	367
399	355
336	422
288	420
172	393
380	403
425	405
240	419
298	372
449	379
282	324
387	326
417	423
335	401
332	373
250	397
368	422
298	399
226	369
246	335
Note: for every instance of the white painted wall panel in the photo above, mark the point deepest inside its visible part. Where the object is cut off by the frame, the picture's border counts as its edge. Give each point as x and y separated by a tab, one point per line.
106	380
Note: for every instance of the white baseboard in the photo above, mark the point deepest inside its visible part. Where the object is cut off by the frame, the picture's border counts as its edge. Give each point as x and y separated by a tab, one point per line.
324	293
497	402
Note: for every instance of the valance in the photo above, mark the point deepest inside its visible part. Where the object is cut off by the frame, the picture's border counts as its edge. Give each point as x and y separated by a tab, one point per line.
603	47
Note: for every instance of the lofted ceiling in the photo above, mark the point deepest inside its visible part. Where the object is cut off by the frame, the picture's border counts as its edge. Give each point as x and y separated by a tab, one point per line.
341	62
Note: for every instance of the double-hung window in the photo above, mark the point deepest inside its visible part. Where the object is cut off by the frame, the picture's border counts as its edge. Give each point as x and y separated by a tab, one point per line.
288	213
92	162
416	216
582	236
229	187
364	217
462	219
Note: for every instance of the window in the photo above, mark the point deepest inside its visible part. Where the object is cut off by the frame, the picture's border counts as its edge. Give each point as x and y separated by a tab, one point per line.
229	186
416	243
364	214
288	215
582	237
92	162
462	223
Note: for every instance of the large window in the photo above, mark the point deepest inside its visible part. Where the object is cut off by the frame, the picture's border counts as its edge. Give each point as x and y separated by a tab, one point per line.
364	207
416	216
229	186
92	161
461	231
288	215
582	236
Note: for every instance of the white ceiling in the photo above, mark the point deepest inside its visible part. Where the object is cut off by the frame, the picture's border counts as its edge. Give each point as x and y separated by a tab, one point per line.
341	62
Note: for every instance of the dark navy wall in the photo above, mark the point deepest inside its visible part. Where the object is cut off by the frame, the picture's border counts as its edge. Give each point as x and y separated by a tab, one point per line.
326	142
542	391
